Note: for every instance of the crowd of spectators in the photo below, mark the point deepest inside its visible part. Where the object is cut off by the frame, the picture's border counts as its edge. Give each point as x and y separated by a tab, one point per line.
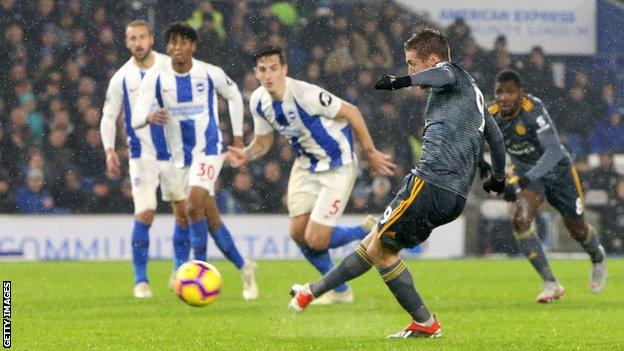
58	57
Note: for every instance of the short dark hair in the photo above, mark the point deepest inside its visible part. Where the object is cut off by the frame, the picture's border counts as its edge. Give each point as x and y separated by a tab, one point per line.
269	51
427	41
139	23
181	29
509	75
537	49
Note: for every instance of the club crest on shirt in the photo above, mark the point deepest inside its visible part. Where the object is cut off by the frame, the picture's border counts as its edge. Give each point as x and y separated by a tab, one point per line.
520	129
291	115
200	86
325	99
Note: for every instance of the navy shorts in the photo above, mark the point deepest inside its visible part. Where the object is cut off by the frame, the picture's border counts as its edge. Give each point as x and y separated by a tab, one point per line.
415	211
563	190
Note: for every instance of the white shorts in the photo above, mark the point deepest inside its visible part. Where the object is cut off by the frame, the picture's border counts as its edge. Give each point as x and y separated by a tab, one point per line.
146	175
322	194
205	171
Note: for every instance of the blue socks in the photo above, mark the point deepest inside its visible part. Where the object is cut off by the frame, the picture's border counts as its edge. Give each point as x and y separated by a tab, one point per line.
199	239
344	235
140	250
225	243
181	245
321	261
199	242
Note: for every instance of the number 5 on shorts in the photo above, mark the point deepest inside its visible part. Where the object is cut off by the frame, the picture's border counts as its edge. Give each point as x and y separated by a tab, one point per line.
335	207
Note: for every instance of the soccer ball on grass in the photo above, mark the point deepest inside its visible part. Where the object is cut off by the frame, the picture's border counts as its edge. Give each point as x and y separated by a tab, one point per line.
197	283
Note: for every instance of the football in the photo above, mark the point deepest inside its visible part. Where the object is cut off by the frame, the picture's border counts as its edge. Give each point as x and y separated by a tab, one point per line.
197	283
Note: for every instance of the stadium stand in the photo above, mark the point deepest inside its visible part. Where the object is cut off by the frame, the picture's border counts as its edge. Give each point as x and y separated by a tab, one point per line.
57	58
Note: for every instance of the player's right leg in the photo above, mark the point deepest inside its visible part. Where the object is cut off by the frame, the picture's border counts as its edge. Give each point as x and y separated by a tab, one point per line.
198	225
352	266
399	280
144	180
524	210
585	235
303	191
181	234
173	187
566	195
418	208
315	203
205	218
224	241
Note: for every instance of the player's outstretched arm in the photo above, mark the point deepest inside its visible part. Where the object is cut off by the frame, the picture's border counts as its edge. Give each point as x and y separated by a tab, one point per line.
379	162
494	138
259	146
436	77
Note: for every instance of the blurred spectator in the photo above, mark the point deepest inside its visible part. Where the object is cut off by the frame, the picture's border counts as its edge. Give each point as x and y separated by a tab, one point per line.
7	202
101	197
473	61
244	194
125	204
21	135
91	159
592	94
205	11
576	121
608	99
33	198
210	42
608	136
226	203
380	195
604	177
360	196
271	188
458	34
69	193
339	59
285	12
537	75
371	48
58	154
319	27
34	119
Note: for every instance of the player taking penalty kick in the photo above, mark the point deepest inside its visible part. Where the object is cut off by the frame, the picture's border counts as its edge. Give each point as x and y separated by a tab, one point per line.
320	128
434	193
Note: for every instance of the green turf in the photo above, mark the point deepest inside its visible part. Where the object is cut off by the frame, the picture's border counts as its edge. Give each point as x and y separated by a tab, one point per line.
482	305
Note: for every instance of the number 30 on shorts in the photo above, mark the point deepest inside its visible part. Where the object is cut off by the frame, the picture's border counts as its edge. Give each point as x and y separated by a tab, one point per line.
206	171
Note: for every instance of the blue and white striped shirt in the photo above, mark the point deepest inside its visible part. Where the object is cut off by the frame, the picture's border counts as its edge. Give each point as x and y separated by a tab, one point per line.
191	100
306	117
121	97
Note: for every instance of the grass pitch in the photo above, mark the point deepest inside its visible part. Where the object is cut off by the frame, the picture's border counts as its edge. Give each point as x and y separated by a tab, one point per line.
482	305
